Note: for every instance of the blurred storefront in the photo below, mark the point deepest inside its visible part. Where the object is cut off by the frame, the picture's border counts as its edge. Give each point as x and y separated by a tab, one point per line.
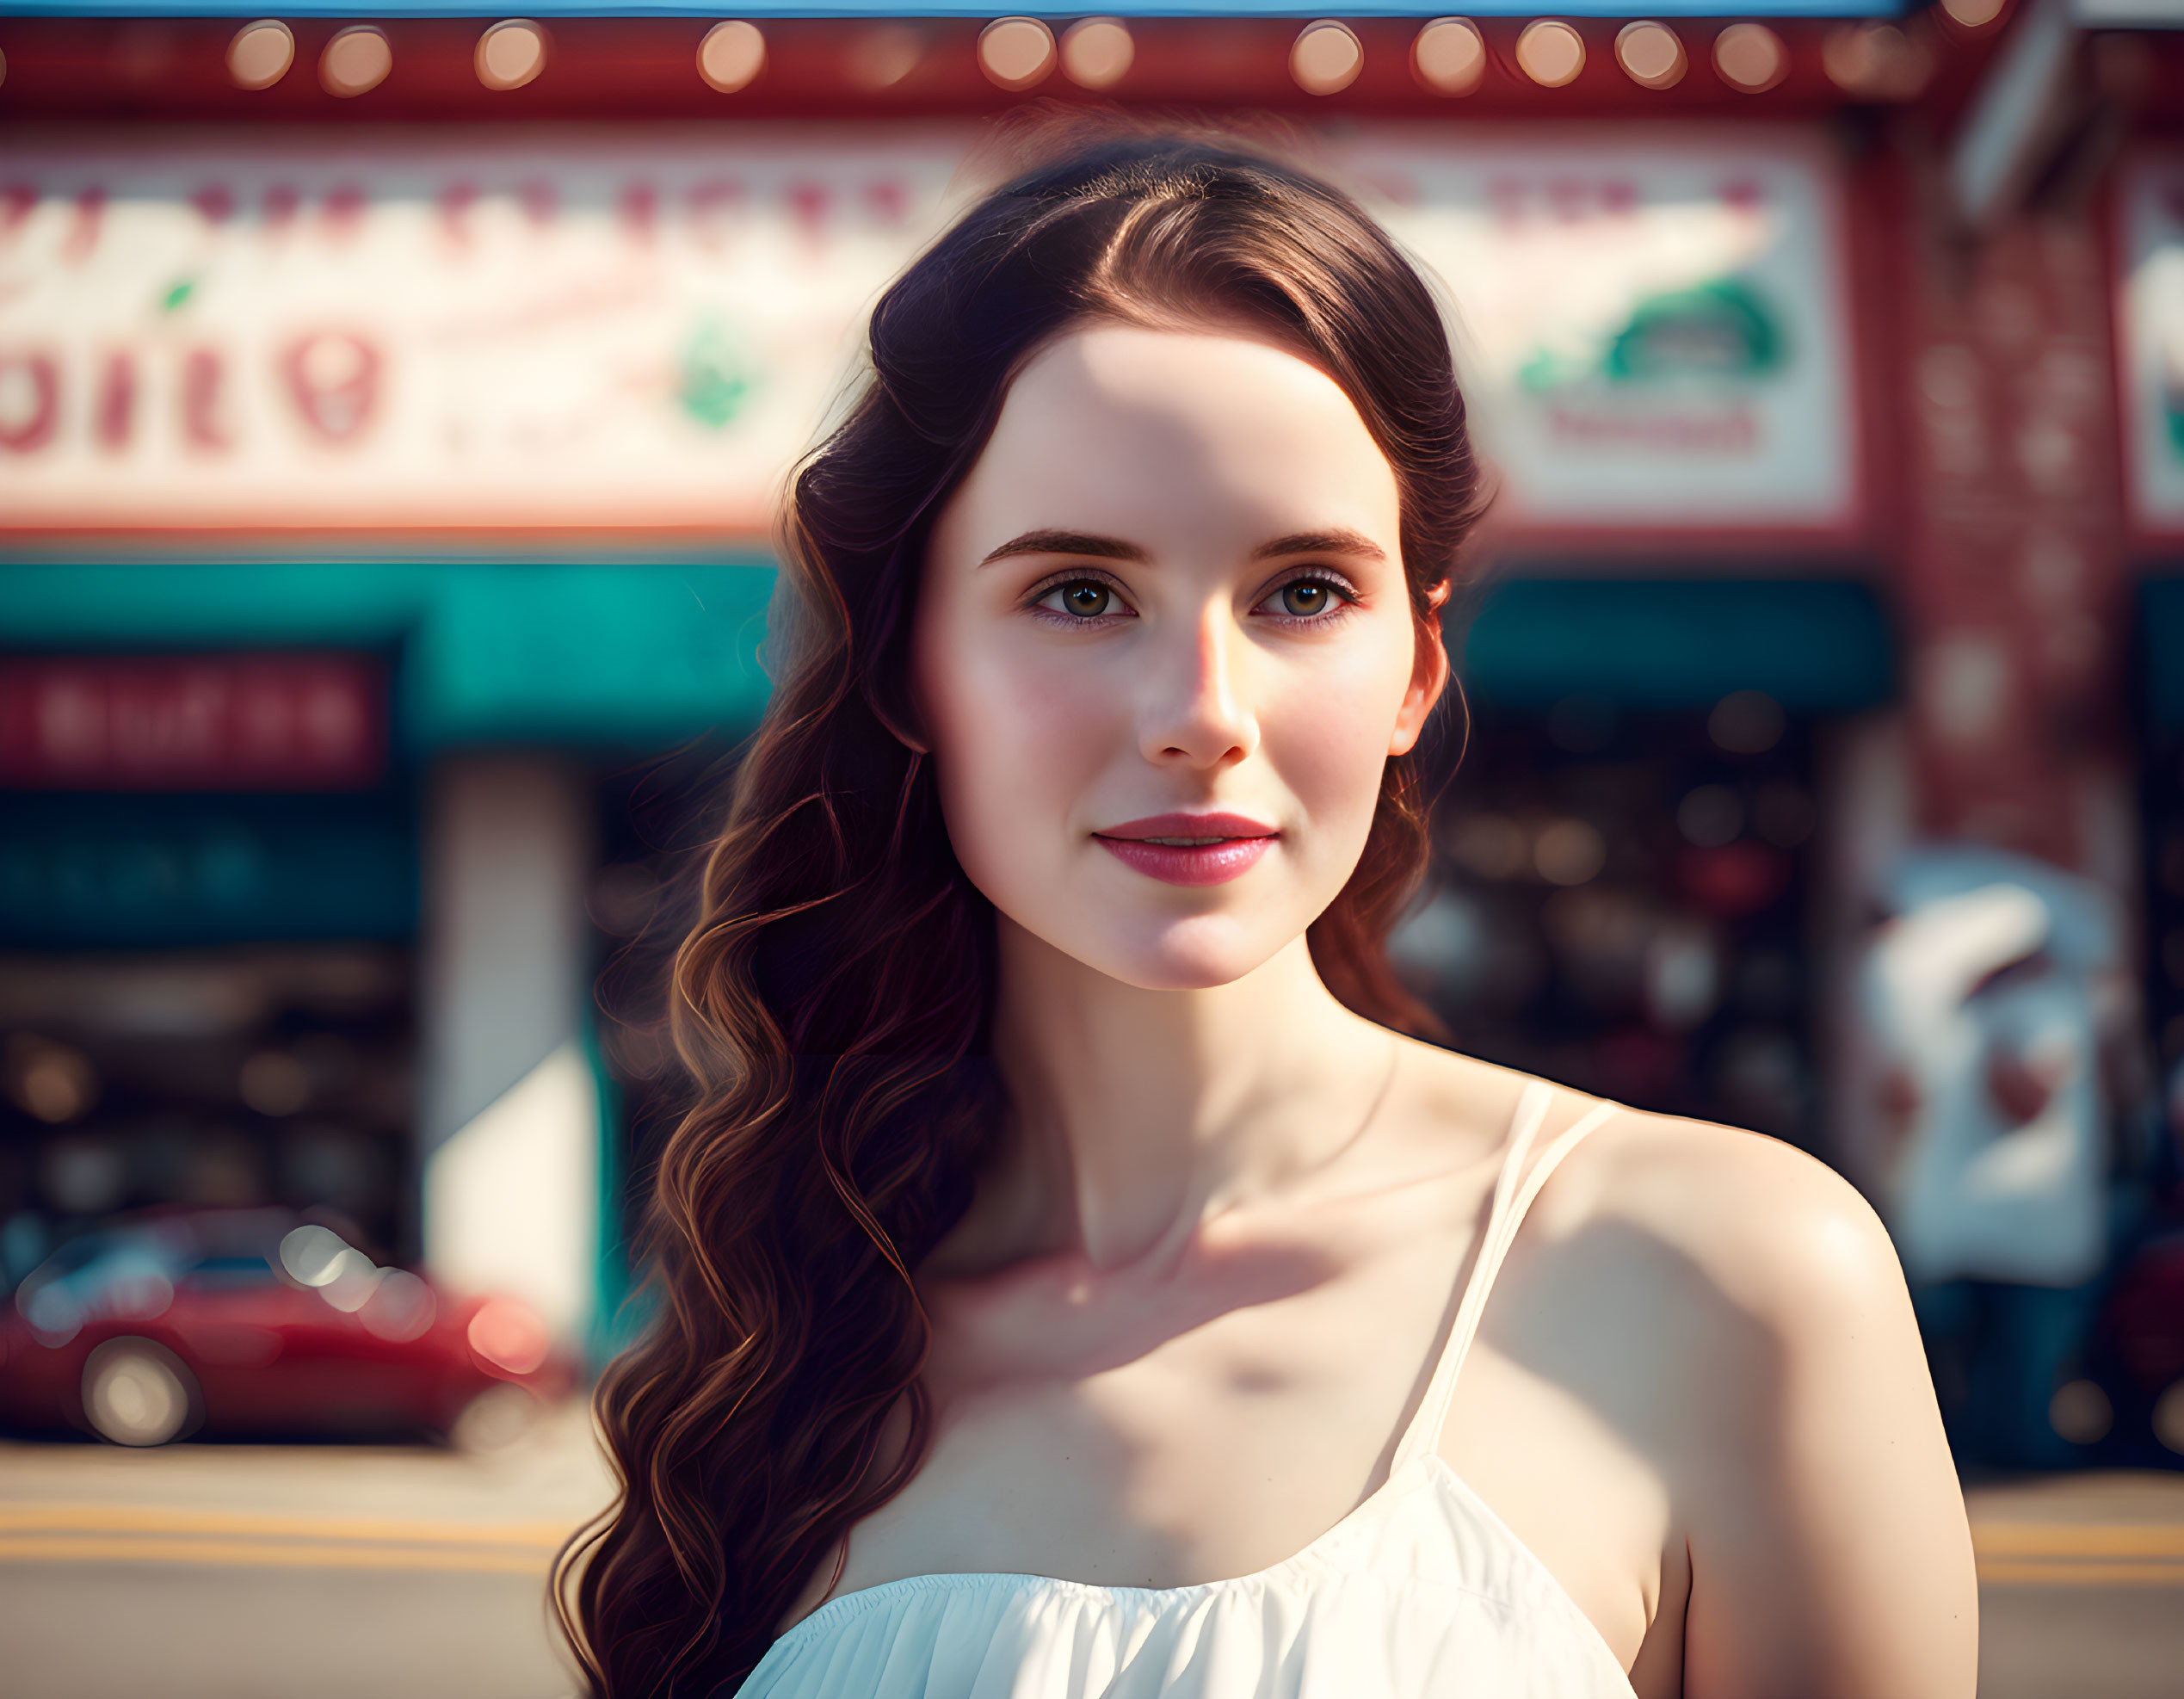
295	862
439	373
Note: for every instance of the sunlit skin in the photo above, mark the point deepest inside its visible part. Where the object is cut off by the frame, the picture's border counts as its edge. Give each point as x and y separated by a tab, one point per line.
1177	1332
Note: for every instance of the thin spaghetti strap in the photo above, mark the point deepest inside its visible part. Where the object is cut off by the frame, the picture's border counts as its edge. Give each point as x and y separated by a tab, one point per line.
1513	1192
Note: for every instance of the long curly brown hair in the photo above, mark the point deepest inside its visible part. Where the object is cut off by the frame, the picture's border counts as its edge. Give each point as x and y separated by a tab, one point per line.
834	1000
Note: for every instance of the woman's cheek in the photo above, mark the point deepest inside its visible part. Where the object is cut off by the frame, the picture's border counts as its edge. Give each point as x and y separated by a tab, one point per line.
1328	742
1021	744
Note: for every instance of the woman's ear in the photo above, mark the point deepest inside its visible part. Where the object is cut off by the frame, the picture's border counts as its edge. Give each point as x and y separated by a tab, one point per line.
1428	675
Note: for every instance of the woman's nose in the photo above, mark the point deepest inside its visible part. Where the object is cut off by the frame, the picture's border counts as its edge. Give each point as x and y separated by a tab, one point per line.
1194	712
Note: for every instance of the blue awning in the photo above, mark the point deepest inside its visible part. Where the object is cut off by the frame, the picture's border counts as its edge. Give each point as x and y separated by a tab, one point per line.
1816	645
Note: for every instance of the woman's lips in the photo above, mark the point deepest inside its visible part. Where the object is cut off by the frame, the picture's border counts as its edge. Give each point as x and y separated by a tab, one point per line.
1188	849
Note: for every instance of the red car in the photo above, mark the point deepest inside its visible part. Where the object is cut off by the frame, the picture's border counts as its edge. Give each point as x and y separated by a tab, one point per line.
255	1322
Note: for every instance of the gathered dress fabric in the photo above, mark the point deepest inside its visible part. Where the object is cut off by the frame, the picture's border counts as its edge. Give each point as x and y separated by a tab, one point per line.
1420	1592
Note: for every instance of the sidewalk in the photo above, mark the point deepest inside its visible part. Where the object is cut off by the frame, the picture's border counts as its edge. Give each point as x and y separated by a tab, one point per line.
214	1572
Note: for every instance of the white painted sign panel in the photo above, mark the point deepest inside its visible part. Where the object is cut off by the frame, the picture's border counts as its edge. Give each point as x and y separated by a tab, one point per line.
429	329
1653	325
2149	324
643	328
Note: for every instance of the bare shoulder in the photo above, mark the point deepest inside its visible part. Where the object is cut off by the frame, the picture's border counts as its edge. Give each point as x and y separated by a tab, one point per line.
1771	1230
1776	1231
1756	1344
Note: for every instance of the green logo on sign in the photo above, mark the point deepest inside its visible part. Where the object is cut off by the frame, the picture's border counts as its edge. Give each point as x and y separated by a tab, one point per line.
1717	329
1720	329
711	381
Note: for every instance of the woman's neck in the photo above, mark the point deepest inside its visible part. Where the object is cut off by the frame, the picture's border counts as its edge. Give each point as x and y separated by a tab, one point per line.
1136	1114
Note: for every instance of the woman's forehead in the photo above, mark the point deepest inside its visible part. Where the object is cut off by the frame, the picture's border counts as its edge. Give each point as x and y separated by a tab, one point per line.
1183	426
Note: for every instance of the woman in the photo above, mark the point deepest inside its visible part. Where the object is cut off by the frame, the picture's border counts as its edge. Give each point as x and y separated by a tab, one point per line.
1068	1265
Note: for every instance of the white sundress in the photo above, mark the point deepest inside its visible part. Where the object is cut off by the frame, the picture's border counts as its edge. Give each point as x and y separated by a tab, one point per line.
1420	1592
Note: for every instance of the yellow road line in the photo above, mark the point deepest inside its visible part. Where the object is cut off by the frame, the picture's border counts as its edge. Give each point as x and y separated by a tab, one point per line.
2056	1540
2009	1554
67	1518
253	1554
2012	1573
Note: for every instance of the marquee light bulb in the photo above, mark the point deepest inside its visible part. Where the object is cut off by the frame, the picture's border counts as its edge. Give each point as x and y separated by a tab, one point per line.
1651	54
1097	52
1327	58
1750	57
260	53
1449	56
731	56
355	61
510	54
1015	53
1550	52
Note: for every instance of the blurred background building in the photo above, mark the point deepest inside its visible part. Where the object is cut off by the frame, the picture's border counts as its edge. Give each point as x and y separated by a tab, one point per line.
390	412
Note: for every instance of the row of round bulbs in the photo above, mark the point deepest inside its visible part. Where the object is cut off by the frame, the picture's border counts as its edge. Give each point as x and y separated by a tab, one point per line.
1448	55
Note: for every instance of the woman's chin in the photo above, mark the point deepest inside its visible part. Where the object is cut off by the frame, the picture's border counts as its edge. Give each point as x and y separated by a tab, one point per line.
1198	953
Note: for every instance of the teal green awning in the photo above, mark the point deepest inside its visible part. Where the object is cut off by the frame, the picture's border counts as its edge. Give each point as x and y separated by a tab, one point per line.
644	655
138	871
636	656
1816	645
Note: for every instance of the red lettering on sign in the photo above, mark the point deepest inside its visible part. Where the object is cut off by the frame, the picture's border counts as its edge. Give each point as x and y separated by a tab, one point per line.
334	379
242	722
713	208
538	200
83	234
640	211
115	419
1744	194
1732	431
203	377
1568	199
29	401
889	200
216	202
455	202
345	204
18	201
808	203
282	202
1564	200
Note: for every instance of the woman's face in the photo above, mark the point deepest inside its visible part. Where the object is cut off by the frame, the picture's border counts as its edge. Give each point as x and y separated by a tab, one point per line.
1163	649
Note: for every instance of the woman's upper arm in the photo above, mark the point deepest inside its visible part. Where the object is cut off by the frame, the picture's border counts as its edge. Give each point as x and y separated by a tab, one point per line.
1828	1549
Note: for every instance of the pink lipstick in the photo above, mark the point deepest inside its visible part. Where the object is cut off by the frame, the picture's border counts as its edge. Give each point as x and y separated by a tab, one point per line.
1188	849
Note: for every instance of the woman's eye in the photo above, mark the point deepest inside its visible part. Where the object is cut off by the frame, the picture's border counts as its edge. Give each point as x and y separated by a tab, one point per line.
1306	599
1086	599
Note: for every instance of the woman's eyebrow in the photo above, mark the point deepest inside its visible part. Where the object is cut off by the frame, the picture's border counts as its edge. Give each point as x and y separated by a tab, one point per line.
1066	542
1344	541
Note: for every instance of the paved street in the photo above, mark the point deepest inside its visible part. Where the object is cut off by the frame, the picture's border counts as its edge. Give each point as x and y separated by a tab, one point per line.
209	1571
2081	1587
205	1572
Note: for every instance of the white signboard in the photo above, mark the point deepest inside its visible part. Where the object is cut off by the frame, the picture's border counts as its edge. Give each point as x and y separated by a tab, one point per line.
2150	340
428	329
1654	327
644	329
